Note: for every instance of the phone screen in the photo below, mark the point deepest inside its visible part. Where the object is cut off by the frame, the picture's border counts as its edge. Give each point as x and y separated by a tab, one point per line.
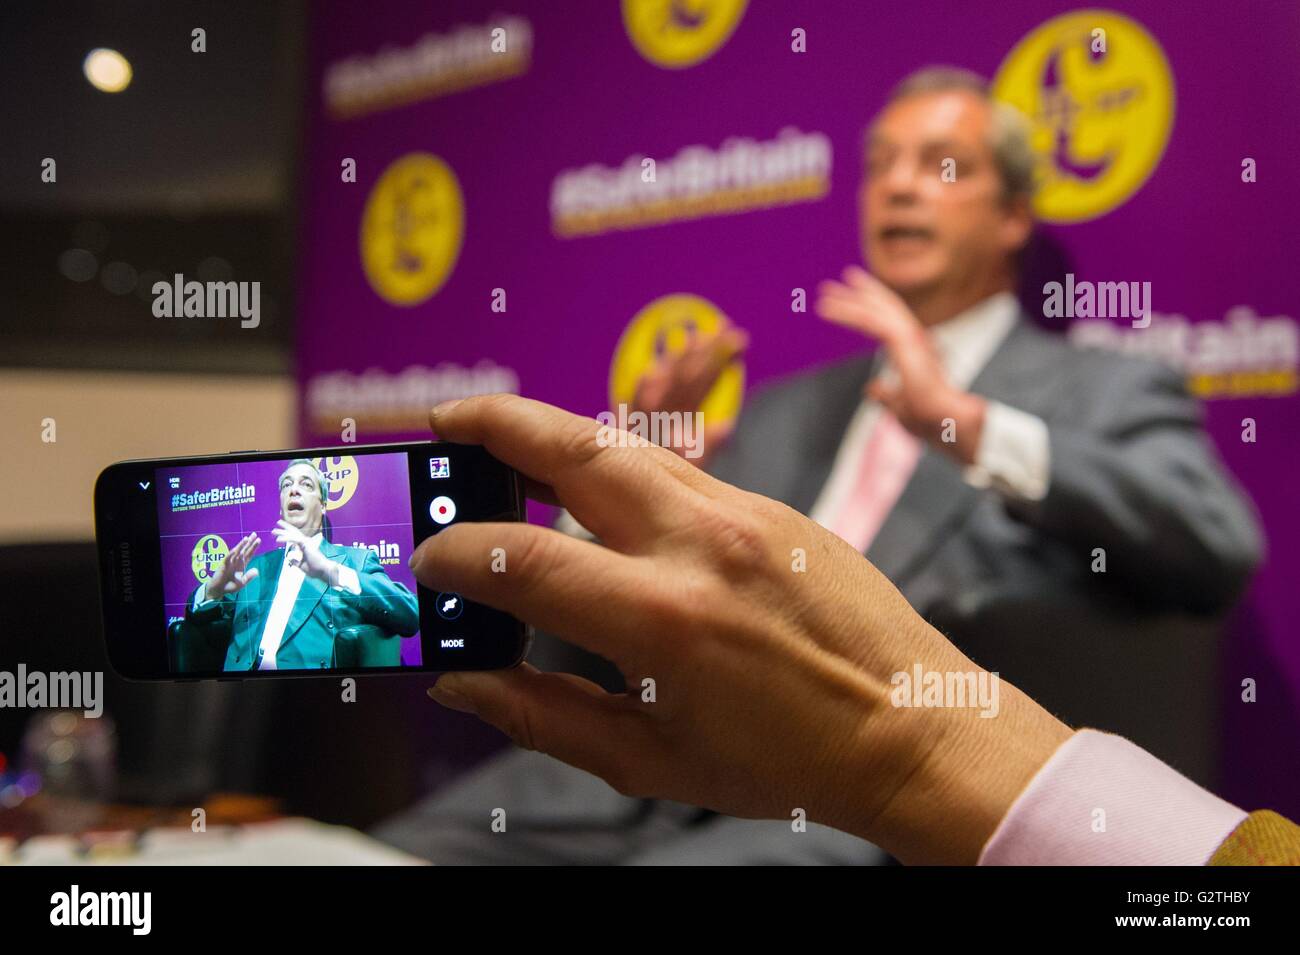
292	563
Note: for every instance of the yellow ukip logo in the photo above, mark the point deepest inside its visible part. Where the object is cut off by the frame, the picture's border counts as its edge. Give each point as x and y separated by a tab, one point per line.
412	228
663	328
343	475
676	34
207	556
1099	96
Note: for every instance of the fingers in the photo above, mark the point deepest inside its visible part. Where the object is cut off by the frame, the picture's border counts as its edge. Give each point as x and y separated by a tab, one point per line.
710	353
240	554
859	278
705	356
878	390
707	363
627	496
864	303
889	397
847	306
681	380
286	533
558	714
245	577
652	390
573	588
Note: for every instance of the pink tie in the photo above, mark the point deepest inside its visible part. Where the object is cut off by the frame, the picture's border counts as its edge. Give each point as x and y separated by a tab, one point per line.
887	462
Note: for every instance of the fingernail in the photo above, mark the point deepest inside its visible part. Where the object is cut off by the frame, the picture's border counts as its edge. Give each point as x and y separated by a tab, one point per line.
451	699
414	561
444	406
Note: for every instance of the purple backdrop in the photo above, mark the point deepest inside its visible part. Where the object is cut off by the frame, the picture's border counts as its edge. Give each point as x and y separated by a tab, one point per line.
571	89
370	507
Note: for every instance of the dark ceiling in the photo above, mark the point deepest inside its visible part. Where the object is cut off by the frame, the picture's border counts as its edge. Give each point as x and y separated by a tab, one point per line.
191	169
216	128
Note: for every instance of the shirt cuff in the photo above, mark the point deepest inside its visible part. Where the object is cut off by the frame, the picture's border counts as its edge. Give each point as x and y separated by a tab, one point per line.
199	600
348	580
1101	800
1014	455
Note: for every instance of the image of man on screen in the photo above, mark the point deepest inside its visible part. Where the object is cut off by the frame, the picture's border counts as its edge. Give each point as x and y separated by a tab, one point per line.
284	608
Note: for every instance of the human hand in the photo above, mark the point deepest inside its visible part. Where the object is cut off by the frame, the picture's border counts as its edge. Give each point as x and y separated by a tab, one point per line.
919	394
772	687
680	381
233	575
305	552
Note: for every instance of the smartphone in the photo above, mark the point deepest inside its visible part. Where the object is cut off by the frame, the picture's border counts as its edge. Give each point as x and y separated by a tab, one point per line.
255	565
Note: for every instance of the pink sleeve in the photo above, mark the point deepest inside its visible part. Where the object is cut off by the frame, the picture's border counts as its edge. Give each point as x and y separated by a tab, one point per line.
1101	800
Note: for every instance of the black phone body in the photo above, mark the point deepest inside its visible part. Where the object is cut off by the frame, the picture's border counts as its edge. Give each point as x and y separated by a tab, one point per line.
165	528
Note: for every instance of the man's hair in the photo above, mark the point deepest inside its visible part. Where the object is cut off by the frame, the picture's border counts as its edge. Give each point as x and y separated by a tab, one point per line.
1012	153
322	482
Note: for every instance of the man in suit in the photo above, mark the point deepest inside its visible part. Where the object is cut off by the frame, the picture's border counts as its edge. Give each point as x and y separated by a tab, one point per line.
988	468
283	609
1024	495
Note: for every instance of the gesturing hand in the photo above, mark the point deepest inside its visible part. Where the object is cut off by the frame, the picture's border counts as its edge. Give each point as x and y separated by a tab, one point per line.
304	551
772	685
233	575
920	396
680	381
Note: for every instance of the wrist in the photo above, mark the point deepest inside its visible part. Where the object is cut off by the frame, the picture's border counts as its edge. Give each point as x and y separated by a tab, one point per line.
948	775
967	412
990	762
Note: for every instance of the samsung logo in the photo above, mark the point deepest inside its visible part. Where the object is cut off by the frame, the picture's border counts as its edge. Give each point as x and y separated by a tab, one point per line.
124	567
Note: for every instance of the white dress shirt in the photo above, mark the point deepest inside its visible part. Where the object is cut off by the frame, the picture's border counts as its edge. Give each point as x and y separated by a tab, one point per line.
1014	453
286	593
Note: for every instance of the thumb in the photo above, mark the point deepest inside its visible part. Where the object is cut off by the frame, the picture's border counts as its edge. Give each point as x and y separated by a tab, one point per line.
559	714
886	394
890	397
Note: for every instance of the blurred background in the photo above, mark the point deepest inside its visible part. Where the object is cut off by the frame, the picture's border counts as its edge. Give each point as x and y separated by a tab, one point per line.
191	168
230	163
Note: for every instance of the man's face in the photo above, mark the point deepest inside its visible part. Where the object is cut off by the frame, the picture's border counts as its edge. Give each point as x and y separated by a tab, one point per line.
300	502
921	233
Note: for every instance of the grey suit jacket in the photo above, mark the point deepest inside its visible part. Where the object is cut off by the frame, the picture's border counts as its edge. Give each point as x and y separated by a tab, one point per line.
1132	649
1131	472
